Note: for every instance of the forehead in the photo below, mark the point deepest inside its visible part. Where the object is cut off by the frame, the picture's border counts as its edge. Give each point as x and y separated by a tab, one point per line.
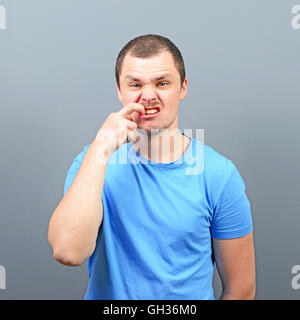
162	62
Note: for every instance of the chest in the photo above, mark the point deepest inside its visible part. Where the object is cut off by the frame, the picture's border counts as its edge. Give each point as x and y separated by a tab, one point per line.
167	204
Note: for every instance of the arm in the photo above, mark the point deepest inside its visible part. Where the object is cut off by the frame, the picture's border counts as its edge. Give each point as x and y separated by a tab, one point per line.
73	227
236	267
74	224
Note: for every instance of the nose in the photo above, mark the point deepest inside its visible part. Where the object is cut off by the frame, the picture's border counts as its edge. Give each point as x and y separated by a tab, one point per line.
148	95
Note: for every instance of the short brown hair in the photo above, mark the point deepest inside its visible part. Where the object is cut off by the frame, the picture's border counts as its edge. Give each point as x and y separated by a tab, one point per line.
149	45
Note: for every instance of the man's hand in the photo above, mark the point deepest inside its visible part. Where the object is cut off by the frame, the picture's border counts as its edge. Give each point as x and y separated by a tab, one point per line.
120	127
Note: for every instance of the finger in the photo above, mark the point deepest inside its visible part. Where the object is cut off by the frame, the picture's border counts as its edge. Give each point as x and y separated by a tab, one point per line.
130	108
131	135
134	116
130	124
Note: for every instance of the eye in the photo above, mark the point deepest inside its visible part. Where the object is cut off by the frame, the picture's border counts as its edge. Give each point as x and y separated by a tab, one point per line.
134	85
163	83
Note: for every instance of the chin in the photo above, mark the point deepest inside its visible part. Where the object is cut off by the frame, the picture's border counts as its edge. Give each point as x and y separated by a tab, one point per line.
148	130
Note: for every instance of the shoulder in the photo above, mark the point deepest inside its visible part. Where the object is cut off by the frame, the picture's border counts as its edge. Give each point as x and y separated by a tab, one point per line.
77	160
81	155
217	172
216	165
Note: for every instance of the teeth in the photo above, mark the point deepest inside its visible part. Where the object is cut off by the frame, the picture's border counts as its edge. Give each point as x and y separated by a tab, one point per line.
151	111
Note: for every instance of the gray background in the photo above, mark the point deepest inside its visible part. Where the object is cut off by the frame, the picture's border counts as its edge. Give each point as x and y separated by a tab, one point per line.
57	87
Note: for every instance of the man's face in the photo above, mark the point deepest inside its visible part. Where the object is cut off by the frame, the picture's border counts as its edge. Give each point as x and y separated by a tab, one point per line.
153	82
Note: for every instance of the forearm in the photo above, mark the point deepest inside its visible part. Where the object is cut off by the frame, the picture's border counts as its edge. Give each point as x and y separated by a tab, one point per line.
74	224
248	294
233	297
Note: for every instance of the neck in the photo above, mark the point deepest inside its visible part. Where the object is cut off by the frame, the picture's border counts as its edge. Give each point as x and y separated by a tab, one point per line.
162	146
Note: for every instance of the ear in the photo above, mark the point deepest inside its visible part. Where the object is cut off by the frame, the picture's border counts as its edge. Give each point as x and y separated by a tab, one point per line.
119	92
183	90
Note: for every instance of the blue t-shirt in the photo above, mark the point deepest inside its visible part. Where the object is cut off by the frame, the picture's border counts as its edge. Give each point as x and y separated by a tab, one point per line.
155	240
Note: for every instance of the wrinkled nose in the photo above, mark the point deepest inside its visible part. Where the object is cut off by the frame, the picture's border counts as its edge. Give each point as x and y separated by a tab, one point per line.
148	96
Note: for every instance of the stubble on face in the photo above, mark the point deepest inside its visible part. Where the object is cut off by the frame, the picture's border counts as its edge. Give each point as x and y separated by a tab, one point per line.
150	131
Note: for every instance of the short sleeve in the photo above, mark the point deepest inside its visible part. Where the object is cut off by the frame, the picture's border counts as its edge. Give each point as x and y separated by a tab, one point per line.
73	169
232	214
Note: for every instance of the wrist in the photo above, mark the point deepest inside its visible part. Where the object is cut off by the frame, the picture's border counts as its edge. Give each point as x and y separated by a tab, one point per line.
100	151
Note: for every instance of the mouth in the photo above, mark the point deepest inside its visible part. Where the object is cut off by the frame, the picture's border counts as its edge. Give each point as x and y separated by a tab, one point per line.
150	113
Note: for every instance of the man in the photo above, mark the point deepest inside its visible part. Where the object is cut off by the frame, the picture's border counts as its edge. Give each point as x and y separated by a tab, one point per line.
149	229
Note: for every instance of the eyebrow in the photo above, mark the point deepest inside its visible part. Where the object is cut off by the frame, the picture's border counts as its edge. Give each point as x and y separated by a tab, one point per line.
162	76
